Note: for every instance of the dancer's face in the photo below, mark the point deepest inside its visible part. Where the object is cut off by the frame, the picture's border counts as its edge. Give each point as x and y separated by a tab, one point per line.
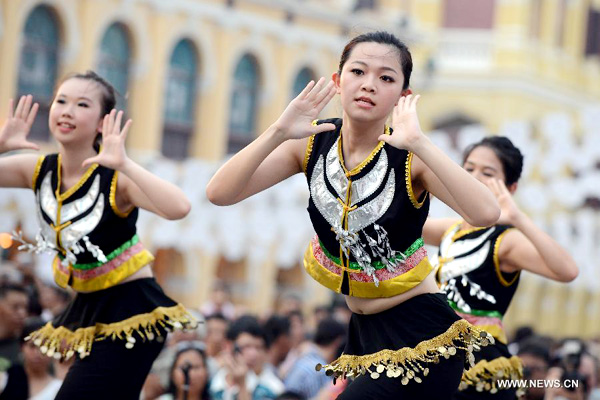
371	81
75	112
484	165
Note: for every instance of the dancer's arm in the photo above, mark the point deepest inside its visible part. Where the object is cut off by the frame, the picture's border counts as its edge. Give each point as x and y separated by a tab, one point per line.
435	172
136	186
434	229
277	153
16	171
528	247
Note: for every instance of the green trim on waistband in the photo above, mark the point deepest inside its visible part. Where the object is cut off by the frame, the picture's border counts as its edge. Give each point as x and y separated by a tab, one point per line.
477	313
376	264
115	253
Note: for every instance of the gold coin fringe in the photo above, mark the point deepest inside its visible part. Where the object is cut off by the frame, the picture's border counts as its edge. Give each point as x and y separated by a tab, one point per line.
62	343
485	375
410	363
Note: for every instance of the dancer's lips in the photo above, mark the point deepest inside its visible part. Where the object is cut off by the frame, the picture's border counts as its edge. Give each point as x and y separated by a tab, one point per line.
65	127
365	101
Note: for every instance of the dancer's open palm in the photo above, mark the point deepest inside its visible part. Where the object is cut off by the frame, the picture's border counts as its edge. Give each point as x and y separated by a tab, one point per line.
13	135
296	120
112	154
509	211
405	124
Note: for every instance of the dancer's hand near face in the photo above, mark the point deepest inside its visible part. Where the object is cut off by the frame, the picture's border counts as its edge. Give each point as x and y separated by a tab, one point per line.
13	135
275	155
509	211
17	170
112	154
405	124
434	172
296	120
136	186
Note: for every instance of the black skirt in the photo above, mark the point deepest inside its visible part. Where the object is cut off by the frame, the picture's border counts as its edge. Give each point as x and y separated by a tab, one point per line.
492	364
132	311
402	341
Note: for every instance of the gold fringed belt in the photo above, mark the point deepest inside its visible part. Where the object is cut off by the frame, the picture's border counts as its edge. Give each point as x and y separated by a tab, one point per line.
62	343
485	374
408	363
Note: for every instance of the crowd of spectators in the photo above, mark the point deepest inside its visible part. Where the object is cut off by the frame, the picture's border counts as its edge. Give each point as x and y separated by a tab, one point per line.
234	355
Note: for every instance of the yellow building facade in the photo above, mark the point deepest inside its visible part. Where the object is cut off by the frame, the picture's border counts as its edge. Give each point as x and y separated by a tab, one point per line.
187	67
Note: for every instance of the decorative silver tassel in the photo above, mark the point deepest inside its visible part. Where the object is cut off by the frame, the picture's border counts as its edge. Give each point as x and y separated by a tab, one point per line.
42	245
95	250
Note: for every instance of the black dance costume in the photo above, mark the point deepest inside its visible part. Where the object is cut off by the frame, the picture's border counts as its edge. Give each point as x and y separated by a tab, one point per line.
368	244
115	330
468	270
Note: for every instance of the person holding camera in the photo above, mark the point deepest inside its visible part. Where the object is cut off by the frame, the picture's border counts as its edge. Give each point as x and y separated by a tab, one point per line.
244	375
576	371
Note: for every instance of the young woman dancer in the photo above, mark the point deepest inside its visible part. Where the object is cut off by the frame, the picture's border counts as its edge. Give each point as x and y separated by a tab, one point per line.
87	202
479	267
369	188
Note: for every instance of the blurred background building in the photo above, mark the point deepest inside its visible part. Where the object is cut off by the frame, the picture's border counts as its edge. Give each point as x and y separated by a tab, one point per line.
201	78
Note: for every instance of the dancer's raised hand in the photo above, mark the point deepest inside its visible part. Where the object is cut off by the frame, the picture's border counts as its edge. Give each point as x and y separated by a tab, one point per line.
112	154
13	135
296	120
405	124
509	211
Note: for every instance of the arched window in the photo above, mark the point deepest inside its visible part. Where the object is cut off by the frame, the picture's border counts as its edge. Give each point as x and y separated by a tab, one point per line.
38	65
304	76
244	96
114	59
592	44
180	100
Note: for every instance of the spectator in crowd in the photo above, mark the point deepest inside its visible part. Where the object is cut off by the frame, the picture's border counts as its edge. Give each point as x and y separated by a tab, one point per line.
42	384
520	335
574	364
216	337
298	332
244	375
53	300
159	377
188	377
289	303
320	313
339	309
13	312
277	329
219	302
303	378
534	353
